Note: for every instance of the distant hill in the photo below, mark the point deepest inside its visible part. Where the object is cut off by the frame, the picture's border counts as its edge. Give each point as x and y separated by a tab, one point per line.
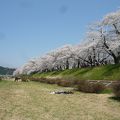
6	71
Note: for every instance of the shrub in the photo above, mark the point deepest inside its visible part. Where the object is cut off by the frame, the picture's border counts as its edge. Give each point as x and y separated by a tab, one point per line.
50	81
98	88
68	81
85	86
72	80
58	81
0	78
65	83
24	78
43	80
116	89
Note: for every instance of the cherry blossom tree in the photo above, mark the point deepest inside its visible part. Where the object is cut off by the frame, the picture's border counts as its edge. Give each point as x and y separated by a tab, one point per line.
101	46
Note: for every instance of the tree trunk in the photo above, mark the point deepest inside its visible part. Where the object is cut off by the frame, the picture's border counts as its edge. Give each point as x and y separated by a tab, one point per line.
67	64
116	60
78	63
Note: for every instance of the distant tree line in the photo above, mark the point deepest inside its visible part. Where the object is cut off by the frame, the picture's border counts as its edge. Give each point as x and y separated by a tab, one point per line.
6	71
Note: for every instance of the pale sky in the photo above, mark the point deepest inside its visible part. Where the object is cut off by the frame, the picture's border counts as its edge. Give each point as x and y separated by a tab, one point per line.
31	28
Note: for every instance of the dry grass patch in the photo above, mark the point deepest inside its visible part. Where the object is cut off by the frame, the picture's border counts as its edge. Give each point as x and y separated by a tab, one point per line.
32	101
116	90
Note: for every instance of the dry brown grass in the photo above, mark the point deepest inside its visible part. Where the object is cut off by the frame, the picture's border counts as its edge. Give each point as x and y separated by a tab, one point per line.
116	90
32	101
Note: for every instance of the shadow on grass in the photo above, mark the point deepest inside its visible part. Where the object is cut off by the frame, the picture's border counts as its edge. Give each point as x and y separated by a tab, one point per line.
72	71
54	73
84	71
115	98
111	68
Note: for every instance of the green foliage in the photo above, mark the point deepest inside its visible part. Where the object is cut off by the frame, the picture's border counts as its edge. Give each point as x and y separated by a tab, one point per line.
107	91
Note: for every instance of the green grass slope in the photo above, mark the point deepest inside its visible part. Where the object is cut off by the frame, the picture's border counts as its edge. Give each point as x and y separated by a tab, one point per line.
108	72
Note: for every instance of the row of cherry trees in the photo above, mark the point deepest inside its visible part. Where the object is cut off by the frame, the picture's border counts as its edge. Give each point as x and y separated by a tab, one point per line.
101	46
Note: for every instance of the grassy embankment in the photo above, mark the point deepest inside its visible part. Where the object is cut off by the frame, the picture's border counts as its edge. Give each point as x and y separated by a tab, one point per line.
33	101
108	72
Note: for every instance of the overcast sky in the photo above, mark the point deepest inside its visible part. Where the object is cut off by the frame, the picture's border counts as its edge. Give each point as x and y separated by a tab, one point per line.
30	28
